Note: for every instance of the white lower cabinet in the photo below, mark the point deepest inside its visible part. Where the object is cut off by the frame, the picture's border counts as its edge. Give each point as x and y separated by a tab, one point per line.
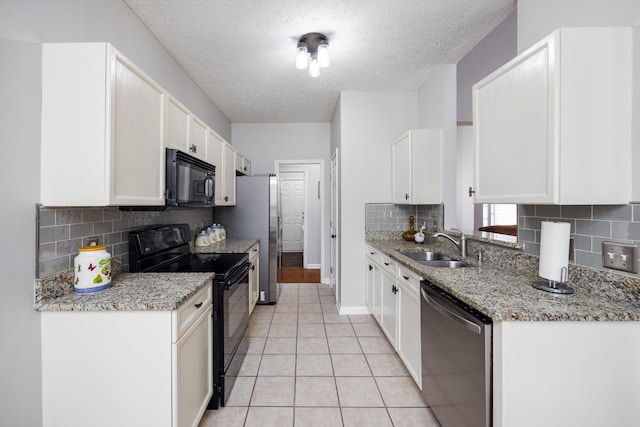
393	297
254	276
374	289
128	368
409	340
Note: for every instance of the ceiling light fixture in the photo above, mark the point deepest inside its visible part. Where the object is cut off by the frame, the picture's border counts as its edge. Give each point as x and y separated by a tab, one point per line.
313	53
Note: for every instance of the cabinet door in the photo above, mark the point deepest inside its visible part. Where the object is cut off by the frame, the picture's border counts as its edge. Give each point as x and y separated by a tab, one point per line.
513	131
197	138
137	150
254	277
177	125
389	306
409	339
401	174
371	285
193	379
229	179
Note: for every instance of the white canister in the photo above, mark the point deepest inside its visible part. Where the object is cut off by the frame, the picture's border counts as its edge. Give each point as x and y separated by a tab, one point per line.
92	269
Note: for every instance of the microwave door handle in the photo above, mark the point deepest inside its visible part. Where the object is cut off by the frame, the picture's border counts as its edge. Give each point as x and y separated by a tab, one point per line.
209	184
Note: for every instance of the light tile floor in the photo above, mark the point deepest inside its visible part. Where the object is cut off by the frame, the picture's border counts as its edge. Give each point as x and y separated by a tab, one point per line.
309	366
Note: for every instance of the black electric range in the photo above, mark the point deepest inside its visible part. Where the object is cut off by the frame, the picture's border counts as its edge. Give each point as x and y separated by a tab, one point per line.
166	248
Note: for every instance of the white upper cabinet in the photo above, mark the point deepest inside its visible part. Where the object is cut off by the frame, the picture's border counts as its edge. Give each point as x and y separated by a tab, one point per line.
417	167
553	126
185	131
102	124
197	138
243	165
177	125
222	156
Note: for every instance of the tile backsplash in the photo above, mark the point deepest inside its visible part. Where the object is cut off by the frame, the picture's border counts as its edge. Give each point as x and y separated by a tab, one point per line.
64	230
590	226
390	217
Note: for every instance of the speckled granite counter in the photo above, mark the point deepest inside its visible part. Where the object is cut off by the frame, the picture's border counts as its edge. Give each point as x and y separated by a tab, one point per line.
501	286
226	246
130	292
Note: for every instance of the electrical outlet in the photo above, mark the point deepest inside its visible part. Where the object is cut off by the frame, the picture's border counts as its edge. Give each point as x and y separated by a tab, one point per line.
92	241
620	256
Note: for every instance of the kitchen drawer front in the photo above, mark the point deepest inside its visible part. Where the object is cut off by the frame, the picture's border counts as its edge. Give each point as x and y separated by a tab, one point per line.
388	264
253	252
188	312
409	280
374	254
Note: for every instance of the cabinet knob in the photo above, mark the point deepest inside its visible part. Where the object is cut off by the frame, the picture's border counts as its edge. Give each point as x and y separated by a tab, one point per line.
471	191
226	198
193	148
370	267
406	197
405	277
198	305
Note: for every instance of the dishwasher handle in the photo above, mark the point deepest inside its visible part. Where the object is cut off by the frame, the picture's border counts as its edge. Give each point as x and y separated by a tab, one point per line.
451	315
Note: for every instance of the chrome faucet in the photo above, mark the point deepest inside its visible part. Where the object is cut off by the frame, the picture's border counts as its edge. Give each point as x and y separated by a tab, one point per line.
460	244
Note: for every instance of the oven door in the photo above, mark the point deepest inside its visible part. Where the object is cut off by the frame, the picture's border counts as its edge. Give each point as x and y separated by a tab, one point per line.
230	322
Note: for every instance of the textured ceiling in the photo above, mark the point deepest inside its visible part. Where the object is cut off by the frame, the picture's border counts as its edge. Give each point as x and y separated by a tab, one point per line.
242	52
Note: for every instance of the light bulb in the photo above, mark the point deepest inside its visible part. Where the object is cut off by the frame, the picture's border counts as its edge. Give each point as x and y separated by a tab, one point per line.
314	68
302	58
323	55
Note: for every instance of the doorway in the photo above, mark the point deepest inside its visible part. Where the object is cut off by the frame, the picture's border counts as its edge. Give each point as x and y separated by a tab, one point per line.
301	212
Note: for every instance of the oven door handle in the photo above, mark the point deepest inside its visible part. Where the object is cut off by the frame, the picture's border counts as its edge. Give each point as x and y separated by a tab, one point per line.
451	315
237	274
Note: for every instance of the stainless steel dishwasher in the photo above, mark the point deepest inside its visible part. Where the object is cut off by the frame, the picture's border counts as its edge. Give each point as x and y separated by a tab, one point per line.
456	359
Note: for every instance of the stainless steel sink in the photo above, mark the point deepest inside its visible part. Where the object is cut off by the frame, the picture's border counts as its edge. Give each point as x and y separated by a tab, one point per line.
422	256
444	263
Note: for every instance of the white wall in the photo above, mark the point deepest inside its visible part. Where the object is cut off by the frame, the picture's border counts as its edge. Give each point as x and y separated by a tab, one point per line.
40	21
20	372
496	49
369	121
538	18
437	110
264	143
109	21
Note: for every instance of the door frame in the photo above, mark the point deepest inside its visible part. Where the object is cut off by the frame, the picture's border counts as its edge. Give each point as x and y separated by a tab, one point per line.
304	163
334	228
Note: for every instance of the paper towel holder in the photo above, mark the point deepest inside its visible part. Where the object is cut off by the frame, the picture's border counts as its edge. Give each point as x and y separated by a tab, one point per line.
554	286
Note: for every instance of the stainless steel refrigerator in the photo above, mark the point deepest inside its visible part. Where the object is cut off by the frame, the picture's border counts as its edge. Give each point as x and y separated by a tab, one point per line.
256	215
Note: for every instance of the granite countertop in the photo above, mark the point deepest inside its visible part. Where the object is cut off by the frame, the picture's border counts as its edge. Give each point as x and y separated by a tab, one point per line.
226	246
131	292
501	289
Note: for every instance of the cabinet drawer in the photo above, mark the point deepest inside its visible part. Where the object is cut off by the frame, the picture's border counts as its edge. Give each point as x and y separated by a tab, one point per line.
187	313
254	252
374	254
409	280
388	264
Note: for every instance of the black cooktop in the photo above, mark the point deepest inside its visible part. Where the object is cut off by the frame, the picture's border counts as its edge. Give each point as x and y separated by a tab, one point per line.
165	248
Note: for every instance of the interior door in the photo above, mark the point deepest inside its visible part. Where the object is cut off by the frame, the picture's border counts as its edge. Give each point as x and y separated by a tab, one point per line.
292	200
333	227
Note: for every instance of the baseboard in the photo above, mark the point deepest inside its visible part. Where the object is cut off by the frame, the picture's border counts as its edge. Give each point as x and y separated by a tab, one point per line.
354	310
312	266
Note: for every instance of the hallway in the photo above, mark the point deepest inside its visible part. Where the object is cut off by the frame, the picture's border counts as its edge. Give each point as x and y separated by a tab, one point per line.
309	366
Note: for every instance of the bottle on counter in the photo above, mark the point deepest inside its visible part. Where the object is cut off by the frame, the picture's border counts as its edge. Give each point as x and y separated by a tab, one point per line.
92	269
223	232
202	239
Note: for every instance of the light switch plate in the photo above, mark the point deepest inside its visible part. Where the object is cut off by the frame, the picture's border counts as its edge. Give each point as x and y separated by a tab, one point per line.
620	256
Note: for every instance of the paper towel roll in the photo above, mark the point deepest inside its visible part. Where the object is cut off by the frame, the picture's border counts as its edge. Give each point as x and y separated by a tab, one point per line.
554	249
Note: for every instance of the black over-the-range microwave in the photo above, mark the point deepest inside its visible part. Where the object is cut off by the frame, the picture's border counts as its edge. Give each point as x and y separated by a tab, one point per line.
190	182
